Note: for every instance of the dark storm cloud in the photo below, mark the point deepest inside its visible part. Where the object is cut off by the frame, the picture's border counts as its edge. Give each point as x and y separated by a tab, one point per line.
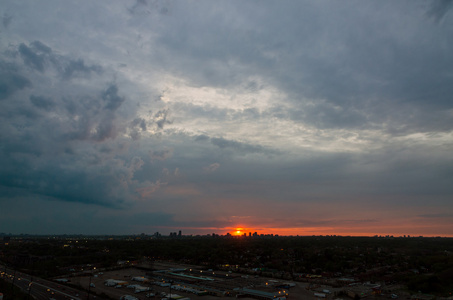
11	81
41	47
31	58
112	100
372	76
51	133
95	118
59	183
439	8
42	102
39	56
78	67
91	178
355	76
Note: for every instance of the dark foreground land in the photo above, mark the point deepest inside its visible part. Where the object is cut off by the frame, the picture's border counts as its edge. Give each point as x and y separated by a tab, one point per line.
418	266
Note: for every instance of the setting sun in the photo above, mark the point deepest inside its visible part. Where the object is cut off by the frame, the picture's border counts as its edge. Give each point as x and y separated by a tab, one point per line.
238	231
241	231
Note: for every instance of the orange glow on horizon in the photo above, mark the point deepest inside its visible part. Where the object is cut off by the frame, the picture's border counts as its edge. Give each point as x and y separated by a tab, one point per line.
320	231
395	230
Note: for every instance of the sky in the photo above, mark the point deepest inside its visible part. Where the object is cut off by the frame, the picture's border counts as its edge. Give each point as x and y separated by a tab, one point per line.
283	117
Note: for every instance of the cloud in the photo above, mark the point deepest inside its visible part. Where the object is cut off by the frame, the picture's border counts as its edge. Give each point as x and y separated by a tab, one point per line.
435	216
6	20
11	81
235	147
31	58
137	126
211	168
112	100
161	118
40	47
39	56
70	178
78	67
239	147
152	219
92	117
42	102
64	138
202	138
438	9
160	154
314	112
146	192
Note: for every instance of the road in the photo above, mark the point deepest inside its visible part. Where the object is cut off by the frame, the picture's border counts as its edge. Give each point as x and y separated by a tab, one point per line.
41	289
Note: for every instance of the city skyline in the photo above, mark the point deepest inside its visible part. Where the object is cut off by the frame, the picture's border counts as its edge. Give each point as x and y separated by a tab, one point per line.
289	118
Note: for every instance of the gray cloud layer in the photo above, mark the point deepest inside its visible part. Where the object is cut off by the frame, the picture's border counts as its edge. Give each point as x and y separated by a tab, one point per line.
155	107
